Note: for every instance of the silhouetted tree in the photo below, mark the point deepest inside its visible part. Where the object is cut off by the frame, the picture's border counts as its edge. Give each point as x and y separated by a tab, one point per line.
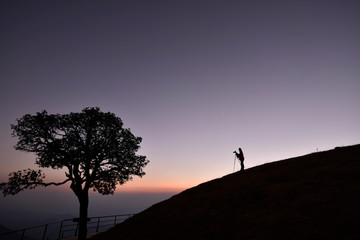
92	146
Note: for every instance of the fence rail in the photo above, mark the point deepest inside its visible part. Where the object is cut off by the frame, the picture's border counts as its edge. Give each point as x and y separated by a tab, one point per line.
64	228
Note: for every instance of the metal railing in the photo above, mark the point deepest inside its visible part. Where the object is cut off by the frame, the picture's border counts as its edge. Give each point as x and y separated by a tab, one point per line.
64	228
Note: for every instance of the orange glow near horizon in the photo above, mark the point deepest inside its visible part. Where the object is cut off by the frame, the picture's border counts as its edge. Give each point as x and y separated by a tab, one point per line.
164	186
135	187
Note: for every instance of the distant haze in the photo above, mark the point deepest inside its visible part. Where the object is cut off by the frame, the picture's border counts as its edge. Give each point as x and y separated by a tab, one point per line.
42	206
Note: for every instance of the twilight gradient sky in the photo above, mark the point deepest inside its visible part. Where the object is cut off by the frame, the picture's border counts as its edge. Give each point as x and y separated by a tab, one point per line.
195	79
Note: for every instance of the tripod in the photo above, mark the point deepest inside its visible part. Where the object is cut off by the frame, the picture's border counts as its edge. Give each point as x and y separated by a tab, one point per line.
234	164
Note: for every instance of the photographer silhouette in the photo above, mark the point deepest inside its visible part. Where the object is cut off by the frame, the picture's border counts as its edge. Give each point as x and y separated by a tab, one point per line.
241	158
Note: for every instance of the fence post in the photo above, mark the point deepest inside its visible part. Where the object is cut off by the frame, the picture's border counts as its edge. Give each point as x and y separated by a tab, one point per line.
22	234
76	230
115	221
44	232
61	224
98	223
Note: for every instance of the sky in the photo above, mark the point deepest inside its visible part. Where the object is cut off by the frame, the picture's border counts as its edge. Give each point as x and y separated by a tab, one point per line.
195	79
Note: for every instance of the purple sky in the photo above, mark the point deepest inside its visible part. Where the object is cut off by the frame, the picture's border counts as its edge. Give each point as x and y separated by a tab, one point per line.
195	79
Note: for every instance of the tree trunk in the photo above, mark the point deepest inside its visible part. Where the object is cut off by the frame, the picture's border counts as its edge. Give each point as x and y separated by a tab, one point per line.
84	203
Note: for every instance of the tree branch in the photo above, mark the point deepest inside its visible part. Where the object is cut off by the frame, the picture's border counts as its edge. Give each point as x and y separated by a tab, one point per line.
25	179
52	183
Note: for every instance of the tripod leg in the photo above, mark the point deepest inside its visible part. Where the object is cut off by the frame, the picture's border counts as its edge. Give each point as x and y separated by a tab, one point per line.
234	164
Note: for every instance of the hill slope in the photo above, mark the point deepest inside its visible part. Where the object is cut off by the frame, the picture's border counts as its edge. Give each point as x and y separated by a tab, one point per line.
316	196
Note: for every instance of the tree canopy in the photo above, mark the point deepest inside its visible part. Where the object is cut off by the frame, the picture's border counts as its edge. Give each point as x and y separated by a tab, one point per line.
92	147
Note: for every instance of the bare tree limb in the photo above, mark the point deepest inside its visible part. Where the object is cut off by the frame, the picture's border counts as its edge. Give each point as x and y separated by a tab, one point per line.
26	179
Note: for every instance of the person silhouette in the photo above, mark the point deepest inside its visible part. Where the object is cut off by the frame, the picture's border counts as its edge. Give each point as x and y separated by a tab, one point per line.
241	158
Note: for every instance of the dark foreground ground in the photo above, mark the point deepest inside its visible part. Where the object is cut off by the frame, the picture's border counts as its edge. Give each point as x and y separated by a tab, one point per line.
316	196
